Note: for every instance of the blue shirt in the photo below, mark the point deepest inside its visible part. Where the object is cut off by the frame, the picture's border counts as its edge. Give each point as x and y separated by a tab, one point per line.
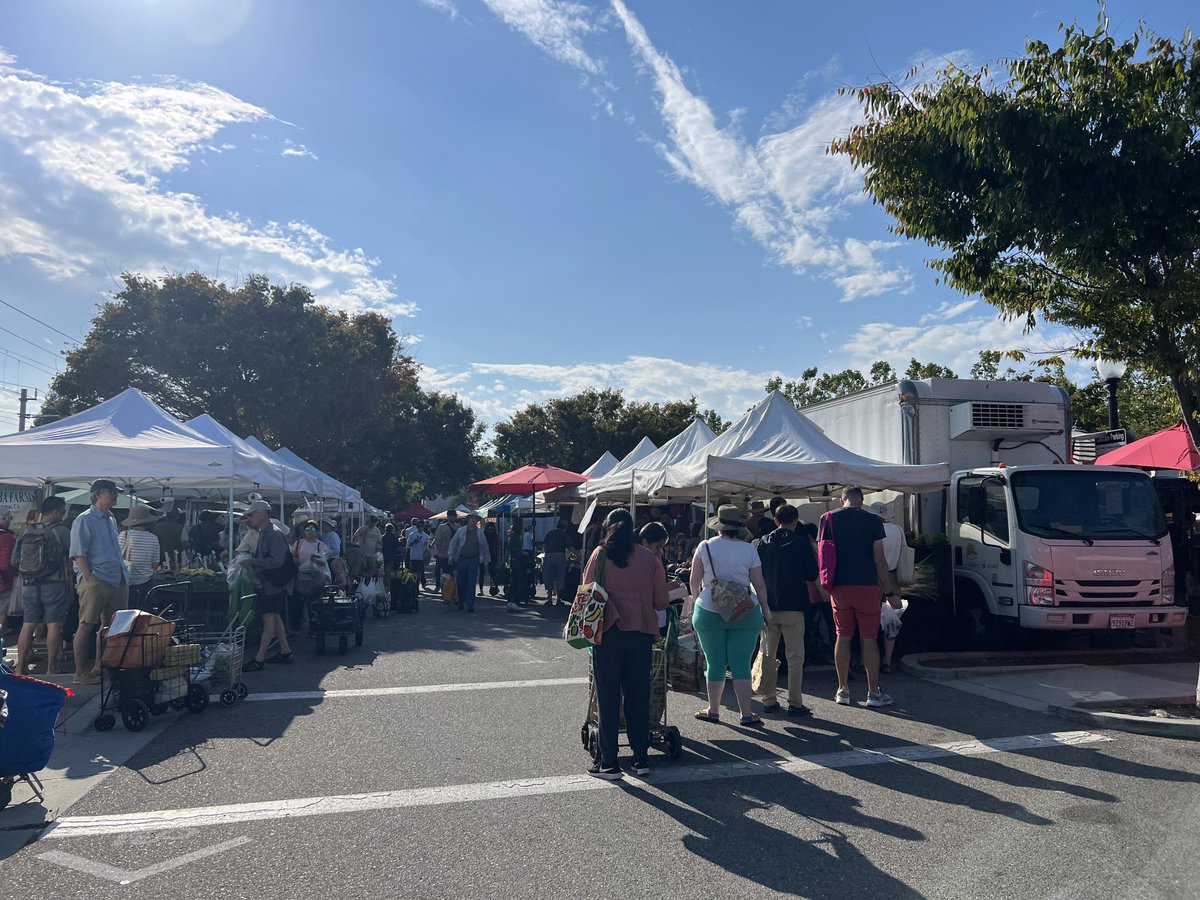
333	541
527	542
94	537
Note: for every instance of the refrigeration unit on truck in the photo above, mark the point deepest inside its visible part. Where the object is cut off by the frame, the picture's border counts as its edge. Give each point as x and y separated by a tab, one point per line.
1034	541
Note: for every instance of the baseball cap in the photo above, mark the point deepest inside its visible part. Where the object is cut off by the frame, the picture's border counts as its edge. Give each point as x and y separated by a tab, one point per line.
257	506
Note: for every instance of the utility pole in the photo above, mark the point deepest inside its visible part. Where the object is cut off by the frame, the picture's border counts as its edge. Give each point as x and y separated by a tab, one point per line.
22	416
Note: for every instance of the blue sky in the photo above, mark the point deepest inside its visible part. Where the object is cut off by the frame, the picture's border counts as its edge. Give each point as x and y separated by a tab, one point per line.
545	195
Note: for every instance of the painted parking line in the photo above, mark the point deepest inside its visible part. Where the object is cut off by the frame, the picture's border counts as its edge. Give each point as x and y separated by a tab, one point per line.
410	689
205	816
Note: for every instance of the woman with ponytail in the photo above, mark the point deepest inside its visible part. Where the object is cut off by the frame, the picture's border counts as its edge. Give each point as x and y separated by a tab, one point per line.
637	589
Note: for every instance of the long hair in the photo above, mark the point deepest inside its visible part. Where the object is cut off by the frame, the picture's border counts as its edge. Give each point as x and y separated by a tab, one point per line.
618	537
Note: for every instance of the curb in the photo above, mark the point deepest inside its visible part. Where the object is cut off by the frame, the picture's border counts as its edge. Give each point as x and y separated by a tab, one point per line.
1185	729
912	665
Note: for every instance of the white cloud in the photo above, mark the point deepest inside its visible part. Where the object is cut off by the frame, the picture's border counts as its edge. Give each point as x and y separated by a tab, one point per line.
290	148
84	175
785	190
947	310
557	27
442	6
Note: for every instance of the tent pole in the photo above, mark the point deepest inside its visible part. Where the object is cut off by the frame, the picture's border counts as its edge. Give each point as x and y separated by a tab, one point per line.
229	511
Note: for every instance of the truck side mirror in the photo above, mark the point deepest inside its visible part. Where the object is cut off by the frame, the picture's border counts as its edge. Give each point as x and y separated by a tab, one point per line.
976	506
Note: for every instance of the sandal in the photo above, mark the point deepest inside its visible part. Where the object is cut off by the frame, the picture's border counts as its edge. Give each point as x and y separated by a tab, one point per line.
280	658
252	665
751	721
705	716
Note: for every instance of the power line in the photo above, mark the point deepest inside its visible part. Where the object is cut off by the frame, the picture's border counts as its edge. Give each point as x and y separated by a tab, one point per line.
27	361
39	321
30	343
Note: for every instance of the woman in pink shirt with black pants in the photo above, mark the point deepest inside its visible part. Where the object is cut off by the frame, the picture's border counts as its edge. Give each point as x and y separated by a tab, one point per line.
637	589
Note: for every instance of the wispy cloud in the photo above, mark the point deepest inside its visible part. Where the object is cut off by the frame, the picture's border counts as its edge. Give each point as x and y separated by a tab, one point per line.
291	148
442	6
949	310
84	175
557	27
784	190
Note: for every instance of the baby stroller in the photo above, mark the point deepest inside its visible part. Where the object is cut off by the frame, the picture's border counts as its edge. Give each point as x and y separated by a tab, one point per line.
29	709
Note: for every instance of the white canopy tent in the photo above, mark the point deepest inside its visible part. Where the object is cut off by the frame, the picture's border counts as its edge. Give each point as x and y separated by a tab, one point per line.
331	488
137	443
621	485
291	479
574	492
774	449
602	466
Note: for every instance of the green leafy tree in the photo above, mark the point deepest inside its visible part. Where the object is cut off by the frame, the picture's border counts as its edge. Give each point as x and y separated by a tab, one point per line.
267	360
573	432
920	371
813	387
1068	189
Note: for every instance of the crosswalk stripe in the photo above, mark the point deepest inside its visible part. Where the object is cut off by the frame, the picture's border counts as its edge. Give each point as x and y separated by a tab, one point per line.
411	689
232	814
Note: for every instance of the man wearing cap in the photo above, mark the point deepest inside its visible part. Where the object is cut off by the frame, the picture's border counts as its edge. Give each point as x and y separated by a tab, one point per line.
332	539
103	584
416	542
271	552
441	547
468	549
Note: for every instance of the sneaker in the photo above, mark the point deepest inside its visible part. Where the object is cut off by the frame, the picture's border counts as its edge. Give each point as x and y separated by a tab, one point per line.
608	773
842	697
799	712
641	768
771	707
878	698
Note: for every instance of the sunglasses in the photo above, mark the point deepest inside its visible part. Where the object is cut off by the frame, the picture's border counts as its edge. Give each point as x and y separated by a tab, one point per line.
310	528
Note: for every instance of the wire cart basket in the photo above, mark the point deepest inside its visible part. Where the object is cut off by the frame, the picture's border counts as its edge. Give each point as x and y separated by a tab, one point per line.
218	670
663	737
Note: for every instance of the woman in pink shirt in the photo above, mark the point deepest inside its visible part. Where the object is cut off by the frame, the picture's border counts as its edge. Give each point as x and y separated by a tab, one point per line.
637	589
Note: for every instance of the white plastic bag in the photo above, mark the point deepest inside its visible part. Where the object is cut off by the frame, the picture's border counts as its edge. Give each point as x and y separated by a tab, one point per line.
890	619
235	570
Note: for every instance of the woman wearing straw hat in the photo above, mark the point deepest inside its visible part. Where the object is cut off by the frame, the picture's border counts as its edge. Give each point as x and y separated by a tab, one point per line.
141	551
728	558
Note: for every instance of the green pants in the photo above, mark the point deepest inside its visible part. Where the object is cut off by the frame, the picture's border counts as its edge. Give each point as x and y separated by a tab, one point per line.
727	645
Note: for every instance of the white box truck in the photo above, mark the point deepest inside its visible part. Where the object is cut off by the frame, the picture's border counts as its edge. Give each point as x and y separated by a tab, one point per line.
1035	542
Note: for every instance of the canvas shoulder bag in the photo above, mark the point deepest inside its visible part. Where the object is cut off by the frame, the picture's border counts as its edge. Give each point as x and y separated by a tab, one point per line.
585	621
827	552
731	598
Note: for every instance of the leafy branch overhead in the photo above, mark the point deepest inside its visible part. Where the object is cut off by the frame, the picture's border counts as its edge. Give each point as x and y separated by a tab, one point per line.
1065	188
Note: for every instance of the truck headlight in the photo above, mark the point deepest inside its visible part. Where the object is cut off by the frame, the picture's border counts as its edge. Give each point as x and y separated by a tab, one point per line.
1039	585
1167	593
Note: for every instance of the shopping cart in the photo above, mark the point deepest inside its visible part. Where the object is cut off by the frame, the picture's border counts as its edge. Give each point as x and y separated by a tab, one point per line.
663	737
218	670
335	613
143	672
27	731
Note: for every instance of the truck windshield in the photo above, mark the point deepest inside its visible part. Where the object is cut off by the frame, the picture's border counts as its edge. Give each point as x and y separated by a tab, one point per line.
1090	504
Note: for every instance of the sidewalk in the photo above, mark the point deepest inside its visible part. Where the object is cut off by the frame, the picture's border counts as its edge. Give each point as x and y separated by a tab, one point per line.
1075	690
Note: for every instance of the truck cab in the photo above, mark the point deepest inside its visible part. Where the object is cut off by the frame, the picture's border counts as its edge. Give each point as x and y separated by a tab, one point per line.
1061	547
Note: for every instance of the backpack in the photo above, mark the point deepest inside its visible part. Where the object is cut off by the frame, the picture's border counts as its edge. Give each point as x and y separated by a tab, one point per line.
40	556
282	576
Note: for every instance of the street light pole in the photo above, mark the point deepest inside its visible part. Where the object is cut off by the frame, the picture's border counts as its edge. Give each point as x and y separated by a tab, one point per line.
1111	371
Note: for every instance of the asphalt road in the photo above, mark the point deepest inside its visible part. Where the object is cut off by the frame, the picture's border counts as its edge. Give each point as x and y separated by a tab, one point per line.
479	792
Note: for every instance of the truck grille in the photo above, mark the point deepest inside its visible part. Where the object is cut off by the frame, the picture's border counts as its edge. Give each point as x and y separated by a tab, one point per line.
1103	592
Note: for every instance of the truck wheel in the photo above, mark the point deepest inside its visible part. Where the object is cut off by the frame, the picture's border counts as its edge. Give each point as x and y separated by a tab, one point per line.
975	628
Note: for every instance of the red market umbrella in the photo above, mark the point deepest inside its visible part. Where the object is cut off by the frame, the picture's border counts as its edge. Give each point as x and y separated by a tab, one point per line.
415	510
1171	448
528	480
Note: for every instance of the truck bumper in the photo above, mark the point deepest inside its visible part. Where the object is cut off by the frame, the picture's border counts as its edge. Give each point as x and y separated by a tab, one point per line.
1073	618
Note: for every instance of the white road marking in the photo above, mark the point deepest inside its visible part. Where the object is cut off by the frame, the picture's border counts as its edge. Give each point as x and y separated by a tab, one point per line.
204	816
127	876
409	689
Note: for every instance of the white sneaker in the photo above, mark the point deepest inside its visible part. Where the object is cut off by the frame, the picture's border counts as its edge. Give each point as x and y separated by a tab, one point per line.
842	697
879	698
513	607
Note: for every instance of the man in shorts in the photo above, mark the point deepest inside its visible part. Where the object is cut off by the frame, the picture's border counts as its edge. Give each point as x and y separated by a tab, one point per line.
861	570
103	585
45	594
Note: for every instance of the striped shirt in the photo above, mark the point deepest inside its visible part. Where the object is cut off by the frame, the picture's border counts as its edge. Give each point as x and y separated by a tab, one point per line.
140	550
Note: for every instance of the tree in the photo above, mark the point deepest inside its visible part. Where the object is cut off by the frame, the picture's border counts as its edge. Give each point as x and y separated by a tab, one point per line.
573	432
814	388
1069	190
267	360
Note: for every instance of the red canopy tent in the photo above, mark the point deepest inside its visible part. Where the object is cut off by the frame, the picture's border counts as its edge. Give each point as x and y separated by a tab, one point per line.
1171	448
528	480
415	510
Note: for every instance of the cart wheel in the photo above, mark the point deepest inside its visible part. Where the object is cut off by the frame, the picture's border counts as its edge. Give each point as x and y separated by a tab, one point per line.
135	714
343	643
242	690
105	722
358	638
674	743
228	697
5	792
583	735
594	744
197	698
320	645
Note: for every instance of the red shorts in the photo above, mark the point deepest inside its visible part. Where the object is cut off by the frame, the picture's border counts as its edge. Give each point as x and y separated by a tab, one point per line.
857	606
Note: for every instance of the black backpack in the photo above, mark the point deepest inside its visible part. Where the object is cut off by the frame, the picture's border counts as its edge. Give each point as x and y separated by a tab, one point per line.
282	576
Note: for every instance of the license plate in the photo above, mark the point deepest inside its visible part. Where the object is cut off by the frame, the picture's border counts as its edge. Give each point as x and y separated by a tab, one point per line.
1121	621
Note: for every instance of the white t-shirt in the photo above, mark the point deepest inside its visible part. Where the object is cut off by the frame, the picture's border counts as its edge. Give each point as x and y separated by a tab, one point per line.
893	540
143	555
732	559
